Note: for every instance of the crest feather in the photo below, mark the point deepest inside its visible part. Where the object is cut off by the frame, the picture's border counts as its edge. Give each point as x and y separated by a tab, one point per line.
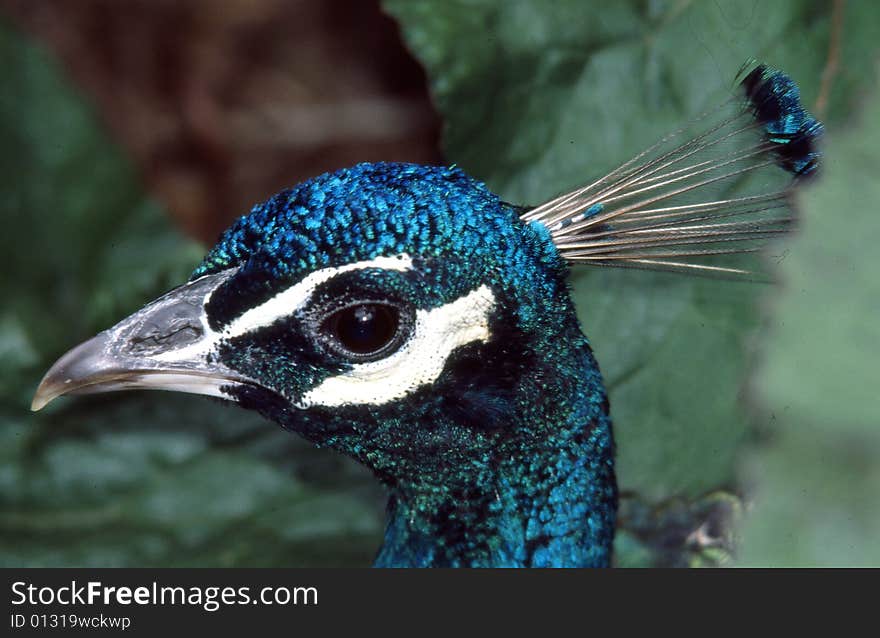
671	207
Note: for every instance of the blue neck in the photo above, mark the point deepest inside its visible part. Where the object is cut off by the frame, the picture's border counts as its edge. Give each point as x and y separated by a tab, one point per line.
547	498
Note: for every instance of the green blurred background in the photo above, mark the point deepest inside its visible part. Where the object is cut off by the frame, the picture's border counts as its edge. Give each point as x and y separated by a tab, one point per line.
131	134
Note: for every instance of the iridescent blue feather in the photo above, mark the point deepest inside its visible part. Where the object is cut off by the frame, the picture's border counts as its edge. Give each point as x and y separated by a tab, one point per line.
776	103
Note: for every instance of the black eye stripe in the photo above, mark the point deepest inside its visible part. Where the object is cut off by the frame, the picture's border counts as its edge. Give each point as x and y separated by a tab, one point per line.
326	320
245	290
365	283
235	296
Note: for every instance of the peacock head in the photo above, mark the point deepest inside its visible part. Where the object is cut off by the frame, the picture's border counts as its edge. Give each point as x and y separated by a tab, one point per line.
391	311
406	316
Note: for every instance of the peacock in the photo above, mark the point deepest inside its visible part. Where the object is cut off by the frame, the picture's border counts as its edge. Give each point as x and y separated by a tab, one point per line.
408	317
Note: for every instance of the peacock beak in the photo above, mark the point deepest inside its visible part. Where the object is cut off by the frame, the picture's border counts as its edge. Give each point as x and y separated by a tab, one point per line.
167	345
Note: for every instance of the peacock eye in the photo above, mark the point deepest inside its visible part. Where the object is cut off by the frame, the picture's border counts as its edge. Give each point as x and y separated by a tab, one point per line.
364	330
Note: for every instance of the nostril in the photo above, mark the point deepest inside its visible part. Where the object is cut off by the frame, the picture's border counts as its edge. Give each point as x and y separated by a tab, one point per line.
172	322
162	338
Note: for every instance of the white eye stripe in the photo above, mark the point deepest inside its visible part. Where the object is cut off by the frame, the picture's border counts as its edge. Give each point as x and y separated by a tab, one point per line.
420	361
281	305
288	301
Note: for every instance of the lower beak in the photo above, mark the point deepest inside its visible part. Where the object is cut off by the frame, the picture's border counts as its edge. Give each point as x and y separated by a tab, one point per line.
167	345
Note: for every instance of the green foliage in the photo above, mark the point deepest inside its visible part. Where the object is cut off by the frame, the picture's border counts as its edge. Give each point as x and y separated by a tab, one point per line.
540	97
818	477
135	479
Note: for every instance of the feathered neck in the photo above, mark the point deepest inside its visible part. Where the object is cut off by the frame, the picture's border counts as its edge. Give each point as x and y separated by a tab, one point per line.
546	498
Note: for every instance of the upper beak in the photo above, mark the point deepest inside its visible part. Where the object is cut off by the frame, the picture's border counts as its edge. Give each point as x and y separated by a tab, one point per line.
167	345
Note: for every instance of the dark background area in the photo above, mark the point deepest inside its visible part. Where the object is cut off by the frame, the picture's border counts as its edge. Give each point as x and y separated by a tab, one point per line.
222	104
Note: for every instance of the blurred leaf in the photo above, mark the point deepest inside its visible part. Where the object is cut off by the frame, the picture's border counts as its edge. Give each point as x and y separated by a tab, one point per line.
678	532
149	479
540	97
818	478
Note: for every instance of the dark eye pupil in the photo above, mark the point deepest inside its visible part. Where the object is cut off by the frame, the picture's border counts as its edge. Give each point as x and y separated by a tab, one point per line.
366	328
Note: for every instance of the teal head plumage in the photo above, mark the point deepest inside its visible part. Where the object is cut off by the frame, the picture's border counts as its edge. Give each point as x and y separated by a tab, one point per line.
409	318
